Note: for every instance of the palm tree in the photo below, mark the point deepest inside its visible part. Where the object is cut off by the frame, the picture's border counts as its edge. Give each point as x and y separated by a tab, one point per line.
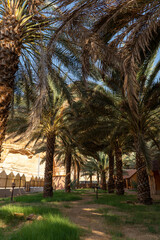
119	172
143	131
109	30
111	182
98	165
68	161
138	131
88	170
64	155
53	126
20	28
68	155
102	164
78	173
116	120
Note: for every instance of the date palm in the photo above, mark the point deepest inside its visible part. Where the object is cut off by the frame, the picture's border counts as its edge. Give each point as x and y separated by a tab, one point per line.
88	170
68	155
52	126
119	34
102	163
21	27
111	182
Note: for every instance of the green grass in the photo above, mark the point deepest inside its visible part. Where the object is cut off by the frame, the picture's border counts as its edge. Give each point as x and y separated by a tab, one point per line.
116	235
8	217
67	206
122	213
51	228
58	196
53	225
88	190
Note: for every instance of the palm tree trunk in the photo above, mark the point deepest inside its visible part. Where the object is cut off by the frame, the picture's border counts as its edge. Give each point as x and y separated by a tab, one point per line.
90	184
143	188
111	183
75	172
12	106
48	189
78	173
119	183
5	101
10	46
97	177
103	177
68	171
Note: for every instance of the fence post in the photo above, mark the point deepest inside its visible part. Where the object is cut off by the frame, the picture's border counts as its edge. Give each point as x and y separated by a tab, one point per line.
6	181
20	183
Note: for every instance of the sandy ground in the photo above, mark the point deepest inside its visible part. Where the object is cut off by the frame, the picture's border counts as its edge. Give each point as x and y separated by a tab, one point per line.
86	216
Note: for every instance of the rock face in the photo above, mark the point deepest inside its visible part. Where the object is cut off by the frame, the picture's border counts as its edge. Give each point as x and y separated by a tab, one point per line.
18	159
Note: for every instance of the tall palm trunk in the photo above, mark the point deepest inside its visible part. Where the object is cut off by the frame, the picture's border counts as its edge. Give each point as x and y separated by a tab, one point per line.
48	189
103	178
68	171
90	183
97	177
5	100
10	47
78	173
143	188
111	183
75	172
119	183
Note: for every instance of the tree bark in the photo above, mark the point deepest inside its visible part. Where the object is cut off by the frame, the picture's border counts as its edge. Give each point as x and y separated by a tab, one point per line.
119	183
78	173
68	171
103	178
90	184
143	188
5	101
75	172
97	177
10	47
48	189
111	183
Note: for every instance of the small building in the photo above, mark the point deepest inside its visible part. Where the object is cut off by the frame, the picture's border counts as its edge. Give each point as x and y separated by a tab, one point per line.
130	178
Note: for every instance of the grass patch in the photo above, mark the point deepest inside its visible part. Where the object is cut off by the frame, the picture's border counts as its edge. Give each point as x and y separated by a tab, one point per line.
66	206
125	212
88	190
7	212
58	196
52	226
116	234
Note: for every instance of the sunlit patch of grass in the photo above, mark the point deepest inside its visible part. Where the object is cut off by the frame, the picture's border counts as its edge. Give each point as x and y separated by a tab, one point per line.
52	227
58	196
9	217
124	212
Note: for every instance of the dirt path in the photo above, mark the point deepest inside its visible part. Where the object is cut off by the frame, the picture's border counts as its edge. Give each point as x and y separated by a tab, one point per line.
85	215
